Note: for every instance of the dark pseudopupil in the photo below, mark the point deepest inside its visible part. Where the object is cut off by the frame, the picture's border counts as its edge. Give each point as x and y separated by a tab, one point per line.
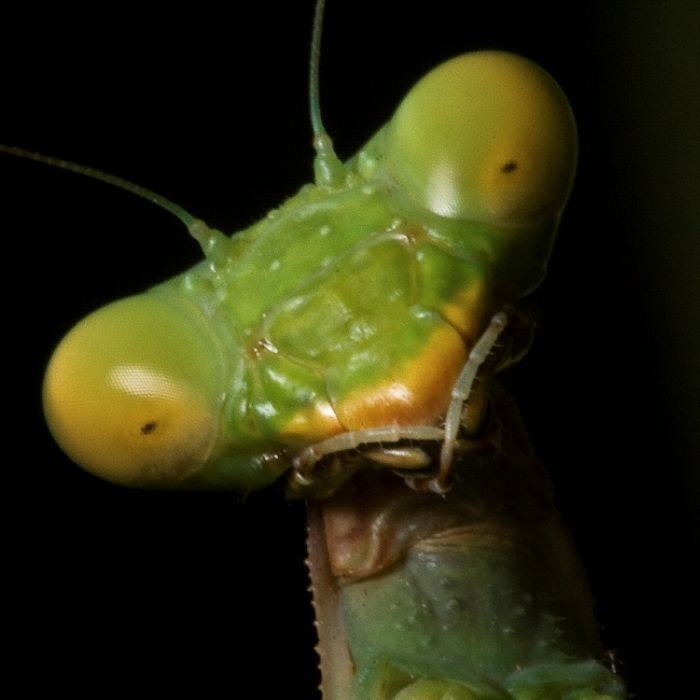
509	167
148	428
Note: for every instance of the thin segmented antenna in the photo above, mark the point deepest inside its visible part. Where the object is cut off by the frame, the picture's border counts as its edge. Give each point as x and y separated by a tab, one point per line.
206	237
314	106
123	184
328	169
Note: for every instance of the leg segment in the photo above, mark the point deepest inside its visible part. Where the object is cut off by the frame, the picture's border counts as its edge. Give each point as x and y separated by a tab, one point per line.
461	393
462	405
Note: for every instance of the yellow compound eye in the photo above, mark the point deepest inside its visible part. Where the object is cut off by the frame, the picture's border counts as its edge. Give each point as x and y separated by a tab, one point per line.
130	393
487	136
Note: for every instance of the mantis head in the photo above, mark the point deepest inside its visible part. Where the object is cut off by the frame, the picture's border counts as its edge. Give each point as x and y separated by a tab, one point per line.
135	392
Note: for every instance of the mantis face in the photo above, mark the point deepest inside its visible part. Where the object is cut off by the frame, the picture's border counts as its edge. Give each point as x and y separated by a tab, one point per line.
188	379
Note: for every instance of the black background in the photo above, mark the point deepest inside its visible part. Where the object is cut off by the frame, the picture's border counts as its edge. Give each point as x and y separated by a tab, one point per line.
209	108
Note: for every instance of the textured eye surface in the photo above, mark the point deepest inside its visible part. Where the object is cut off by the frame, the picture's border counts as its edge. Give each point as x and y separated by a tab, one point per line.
487	136
130	393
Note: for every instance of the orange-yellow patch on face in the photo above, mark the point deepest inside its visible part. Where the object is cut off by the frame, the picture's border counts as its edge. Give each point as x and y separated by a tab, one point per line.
316	423
417	394
467	310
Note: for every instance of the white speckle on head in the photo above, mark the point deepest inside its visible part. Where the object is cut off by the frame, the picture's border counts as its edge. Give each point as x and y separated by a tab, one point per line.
324	409
294	303
361	331
398	393
265	409
324	230
275	265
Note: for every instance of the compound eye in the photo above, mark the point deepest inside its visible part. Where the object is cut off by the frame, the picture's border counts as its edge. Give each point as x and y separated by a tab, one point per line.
130	393
487	136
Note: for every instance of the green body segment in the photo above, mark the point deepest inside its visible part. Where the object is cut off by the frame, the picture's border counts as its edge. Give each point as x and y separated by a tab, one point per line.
479	594
494	621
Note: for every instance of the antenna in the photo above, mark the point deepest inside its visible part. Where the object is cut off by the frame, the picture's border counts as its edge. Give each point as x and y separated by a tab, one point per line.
123	184
328	169
209	239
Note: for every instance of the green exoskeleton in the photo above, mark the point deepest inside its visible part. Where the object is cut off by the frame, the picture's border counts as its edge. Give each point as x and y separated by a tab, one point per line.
347	342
